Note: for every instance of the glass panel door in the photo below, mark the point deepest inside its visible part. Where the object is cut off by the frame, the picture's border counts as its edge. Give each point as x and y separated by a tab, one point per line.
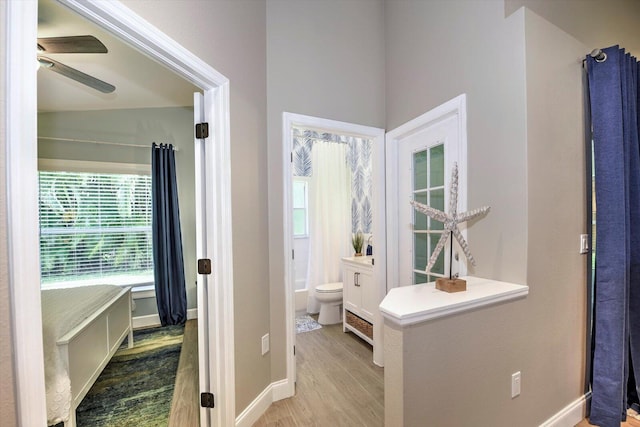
428	188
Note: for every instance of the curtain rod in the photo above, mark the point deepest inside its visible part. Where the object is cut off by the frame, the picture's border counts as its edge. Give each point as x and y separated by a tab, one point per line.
90	141
598	55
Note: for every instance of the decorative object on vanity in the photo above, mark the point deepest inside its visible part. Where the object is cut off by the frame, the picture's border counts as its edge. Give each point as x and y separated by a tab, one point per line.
450	223
357	240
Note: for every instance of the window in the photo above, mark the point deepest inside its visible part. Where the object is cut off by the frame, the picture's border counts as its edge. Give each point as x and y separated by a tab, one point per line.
95	228
428	188
300	207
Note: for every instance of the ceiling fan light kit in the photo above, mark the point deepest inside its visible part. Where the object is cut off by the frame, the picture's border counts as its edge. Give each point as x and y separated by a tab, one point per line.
73	44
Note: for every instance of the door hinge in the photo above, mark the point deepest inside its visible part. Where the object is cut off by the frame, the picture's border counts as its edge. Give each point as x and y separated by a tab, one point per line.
292	157
207	400
293	254
204	266
202	130
294	350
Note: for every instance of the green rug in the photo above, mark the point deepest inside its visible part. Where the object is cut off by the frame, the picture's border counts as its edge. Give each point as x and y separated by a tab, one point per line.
136	386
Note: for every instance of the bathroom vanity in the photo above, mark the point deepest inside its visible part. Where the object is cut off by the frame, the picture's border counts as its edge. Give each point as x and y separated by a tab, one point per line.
360	297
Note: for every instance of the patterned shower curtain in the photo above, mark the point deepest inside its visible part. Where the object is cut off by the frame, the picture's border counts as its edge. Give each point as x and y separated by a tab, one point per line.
614	99
168	264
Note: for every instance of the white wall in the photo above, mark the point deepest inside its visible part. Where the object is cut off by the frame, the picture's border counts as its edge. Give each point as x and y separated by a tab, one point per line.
301	262
325	59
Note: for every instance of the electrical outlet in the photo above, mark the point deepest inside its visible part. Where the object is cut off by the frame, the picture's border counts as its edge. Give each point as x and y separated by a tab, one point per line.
516	381
265	344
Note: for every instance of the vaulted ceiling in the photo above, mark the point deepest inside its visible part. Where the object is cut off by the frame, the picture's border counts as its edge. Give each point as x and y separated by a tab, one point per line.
140	81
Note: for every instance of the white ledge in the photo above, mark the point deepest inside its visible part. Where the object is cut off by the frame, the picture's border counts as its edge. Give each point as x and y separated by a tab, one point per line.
408	305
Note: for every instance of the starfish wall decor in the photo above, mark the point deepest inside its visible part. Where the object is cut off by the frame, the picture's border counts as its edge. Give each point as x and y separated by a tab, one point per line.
450	221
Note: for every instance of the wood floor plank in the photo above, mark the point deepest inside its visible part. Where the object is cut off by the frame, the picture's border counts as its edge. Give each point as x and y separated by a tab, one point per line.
184	406
337	383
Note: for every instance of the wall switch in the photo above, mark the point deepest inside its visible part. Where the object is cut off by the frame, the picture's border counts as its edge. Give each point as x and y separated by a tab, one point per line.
584	243
515	384
265	344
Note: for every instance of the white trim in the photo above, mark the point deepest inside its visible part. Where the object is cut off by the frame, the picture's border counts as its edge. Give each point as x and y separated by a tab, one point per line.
252	413
458	107
280	390
410	305
290	120
22	210
93	167
571	414
21	180
153	320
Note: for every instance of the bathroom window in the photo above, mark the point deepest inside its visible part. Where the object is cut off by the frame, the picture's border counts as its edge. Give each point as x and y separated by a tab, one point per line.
300	207
428	188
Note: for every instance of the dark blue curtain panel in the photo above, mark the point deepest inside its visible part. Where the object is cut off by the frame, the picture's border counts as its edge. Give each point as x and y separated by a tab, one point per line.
168	263
613	90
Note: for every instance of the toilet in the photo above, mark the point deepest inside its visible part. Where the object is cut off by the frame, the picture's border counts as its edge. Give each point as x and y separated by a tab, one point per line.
329	296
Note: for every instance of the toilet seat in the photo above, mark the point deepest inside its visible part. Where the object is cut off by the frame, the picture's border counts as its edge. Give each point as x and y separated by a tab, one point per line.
329	287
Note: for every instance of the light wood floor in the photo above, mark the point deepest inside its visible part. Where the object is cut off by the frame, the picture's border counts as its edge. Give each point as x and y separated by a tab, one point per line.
184	406
337	384
631	422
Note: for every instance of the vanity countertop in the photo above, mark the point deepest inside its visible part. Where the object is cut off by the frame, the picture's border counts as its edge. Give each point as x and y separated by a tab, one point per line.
359	260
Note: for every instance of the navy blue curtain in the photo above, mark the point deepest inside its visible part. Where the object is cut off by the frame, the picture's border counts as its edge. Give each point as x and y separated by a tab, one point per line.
168	264
614	99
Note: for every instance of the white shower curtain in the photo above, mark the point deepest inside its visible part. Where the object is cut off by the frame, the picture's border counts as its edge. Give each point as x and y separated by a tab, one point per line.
329	216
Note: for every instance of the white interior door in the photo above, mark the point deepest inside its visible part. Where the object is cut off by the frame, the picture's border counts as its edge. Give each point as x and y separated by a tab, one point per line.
420	158
201	252
421	177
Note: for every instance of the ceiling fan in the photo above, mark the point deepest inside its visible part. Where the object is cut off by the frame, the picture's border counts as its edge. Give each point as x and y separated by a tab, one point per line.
72	44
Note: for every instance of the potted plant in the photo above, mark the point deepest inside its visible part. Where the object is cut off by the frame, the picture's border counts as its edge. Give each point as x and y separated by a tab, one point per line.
357	240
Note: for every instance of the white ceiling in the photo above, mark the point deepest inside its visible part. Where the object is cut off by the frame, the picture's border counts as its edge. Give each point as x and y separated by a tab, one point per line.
140	82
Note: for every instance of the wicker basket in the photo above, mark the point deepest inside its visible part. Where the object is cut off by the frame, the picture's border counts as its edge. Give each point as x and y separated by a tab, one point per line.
360	324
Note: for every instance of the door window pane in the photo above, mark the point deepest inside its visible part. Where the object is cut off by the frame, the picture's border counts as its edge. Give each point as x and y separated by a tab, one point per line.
436	164
420	170
428	188
420	222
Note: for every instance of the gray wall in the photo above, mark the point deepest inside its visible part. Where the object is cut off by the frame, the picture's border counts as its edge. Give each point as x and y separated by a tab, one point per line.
325	59
138	127
523	79
7	391
597	24
230	36
437	50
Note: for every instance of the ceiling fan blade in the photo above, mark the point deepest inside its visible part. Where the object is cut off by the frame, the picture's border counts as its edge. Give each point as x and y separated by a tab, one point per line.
71	44
77	75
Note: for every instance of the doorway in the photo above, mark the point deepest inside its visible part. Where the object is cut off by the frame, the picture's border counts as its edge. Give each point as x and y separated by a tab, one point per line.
291	122
24	282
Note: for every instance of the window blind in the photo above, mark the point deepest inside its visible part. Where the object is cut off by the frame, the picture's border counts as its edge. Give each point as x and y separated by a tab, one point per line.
94	226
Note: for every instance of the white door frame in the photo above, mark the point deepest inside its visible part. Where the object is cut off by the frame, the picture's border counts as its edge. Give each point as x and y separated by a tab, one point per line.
20	30
456	107
290	120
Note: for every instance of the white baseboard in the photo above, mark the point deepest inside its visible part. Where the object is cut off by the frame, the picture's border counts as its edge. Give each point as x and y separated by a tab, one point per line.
281	390
252	413
153	320
571	414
